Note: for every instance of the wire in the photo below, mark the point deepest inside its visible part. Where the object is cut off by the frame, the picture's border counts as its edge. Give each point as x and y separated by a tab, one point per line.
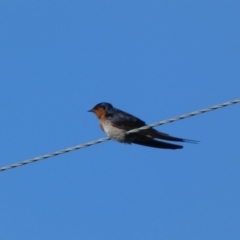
32	160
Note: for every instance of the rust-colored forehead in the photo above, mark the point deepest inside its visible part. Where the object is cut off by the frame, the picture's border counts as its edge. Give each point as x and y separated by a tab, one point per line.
100	112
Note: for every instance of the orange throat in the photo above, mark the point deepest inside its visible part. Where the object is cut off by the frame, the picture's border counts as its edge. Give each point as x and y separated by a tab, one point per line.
100	113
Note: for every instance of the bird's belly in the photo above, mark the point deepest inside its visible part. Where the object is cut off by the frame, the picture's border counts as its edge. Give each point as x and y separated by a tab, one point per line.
113	132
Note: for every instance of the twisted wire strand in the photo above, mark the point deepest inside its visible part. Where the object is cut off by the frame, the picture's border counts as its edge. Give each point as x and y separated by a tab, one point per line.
88	144
185	116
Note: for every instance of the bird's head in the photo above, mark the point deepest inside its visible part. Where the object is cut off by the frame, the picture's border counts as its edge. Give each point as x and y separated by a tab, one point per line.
101	109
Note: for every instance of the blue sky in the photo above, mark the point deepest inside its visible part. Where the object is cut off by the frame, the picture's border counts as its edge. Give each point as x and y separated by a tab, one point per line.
154	59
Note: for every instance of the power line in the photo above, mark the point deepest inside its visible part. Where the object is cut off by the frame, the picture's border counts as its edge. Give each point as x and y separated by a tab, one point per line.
32	160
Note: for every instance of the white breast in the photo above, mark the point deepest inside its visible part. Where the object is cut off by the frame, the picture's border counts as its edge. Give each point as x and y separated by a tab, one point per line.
113	132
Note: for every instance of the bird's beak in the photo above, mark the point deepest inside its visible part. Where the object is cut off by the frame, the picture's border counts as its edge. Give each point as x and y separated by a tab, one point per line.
90	110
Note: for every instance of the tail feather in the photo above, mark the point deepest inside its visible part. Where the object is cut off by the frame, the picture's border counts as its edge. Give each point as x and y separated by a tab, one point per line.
160	135
157	144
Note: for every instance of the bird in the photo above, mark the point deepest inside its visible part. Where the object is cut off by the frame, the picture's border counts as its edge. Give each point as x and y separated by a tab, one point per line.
115	123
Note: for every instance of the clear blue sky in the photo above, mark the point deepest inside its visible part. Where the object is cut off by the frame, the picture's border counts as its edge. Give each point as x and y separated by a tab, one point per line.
154	59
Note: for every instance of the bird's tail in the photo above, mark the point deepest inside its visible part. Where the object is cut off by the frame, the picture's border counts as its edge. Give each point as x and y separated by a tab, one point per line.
157	144
160	135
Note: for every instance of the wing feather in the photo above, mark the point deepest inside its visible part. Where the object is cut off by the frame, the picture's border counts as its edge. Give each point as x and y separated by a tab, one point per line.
124	120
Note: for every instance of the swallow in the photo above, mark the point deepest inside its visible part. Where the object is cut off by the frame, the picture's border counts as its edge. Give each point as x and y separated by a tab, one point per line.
115	123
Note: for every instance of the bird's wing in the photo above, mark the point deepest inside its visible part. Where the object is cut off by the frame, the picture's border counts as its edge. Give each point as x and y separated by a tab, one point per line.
124	120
